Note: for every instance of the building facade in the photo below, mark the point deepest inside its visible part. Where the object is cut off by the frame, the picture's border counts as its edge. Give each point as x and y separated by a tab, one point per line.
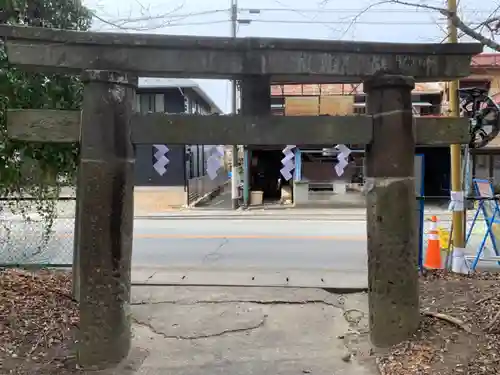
429	99
186	162
316	163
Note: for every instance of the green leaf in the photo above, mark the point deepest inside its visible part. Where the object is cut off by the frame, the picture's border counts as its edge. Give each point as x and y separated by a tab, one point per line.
26	168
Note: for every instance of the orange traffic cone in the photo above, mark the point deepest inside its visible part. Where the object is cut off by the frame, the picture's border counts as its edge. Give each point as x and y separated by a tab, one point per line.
433	253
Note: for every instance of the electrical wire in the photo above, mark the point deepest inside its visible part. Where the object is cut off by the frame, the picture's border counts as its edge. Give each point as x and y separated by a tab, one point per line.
170	15
286	22
125	23
347	10
167	24
344	22
174	20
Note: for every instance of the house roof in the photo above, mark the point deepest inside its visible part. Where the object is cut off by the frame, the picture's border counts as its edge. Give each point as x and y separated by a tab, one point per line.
158	83
486	60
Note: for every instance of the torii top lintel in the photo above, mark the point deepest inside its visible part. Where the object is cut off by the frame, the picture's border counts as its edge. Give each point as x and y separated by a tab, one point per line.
285	60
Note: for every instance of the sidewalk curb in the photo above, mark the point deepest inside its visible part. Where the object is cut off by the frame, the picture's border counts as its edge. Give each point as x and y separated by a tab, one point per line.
190	214
353	281
291	216
212	217
256	217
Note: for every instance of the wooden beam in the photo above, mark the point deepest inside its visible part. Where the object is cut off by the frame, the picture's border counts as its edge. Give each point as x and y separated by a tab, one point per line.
64	126
285	60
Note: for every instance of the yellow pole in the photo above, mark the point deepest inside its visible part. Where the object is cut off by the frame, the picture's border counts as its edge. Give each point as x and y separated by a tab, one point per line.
455	150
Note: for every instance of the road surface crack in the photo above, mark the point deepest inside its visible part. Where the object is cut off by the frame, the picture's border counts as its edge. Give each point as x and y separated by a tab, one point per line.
214	256
150	277
202	336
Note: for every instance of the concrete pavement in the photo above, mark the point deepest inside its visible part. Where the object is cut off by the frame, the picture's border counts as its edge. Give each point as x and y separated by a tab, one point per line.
248	331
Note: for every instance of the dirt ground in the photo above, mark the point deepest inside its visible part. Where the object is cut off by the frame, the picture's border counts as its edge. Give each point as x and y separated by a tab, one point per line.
37	323
464	335
38	319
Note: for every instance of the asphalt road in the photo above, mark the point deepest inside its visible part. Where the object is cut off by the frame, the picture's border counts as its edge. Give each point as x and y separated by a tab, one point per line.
222	251
225	243
251	243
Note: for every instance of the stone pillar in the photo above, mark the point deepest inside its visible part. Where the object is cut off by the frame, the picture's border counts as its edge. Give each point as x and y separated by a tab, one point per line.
391	204
255	93
105	190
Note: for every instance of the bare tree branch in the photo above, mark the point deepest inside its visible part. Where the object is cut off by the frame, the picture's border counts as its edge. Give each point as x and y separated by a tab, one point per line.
458	23
492	23
130	23
356	17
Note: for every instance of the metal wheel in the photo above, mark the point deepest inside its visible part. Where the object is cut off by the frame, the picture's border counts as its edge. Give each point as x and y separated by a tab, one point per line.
483	114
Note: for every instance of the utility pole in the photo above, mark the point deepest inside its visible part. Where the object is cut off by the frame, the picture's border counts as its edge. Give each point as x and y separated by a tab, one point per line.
455	150
234	174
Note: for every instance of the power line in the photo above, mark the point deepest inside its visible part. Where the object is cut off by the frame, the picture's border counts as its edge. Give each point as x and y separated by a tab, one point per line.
165	25
344	22
170	15
169	18
347	10
382	23
174	20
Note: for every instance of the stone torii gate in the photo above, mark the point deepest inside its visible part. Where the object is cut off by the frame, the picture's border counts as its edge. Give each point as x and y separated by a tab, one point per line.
107	128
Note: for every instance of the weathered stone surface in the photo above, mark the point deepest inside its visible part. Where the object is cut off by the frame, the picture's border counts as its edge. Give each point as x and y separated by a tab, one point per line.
441	131
392	261
390	215
284	60
251	129
105	219
34	125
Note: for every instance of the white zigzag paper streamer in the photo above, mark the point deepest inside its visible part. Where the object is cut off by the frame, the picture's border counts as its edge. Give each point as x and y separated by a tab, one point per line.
214	161
288	162
161	160
342	157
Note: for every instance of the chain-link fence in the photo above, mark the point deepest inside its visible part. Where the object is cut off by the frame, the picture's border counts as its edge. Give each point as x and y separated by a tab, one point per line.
28	238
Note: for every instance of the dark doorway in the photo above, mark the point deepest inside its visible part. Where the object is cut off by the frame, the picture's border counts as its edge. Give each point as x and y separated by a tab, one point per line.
437	172
265	173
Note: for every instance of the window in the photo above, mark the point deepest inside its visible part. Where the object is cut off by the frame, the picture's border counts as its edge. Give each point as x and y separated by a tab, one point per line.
359	110
147	103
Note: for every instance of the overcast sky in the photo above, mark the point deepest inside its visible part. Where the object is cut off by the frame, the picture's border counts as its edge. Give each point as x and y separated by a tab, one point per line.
338	19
